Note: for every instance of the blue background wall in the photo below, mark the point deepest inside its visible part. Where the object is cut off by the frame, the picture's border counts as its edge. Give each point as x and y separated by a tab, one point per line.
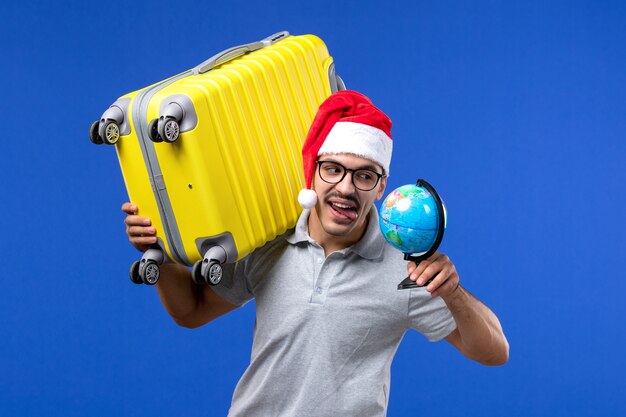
514	110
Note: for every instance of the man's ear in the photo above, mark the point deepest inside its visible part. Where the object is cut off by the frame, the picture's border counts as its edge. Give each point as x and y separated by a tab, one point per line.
381	188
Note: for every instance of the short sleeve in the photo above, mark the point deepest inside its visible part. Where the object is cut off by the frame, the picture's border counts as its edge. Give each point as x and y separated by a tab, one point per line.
430	315
234	286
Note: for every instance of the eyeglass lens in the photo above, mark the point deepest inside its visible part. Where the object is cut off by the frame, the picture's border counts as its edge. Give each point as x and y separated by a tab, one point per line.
333	173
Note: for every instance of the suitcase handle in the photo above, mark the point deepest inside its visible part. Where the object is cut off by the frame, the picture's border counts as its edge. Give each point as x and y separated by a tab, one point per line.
236	51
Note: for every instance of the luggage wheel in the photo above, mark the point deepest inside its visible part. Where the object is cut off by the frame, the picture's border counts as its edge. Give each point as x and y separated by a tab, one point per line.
149	272
168	129
209	270
111	132
93	133
146	271
134	273
153	131
170	117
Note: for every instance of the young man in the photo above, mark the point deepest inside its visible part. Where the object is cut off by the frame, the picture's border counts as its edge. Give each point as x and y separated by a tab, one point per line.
329	316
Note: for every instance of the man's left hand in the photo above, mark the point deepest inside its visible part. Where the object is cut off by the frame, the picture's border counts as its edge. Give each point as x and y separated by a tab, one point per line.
439	270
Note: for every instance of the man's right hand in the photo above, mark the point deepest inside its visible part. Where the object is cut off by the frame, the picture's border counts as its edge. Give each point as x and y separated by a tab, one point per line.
139	229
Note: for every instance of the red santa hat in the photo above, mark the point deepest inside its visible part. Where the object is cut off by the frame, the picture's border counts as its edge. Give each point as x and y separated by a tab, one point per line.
346	122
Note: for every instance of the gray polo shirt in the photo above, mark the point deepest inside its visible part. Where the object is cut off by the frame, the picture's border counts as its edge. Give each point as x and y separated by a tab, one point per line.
326	328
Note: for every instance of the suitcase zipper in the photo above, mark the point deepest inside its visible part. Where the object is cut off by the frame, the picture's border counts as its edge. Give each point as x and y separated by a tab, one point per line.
139	114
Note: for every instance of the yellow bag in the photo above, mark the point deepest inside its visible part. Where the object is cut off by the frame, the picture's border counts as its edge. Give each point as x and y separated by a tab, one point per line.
213	155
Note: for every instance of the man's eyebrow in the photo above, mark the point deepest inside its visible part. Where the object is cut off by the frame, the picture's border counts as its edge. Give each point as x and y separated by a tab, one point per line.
370	167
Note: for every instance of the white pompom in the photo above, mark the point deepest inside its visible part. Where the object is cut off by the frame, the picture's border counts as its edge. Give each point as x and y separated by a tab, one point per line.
307	198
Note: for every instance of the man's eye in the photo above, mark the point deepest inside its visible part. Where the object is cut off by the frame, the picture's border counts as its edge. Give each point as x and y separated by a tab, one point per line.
365	175
333	169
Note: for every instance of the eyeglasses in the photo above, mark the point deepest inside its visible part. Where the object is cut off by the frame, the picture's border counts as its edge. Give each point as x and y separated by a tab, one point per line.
363	179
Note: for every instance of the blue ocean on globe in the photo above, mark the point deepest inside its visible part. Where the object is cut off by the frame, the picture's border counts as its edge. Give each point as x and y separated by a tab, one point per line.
409	219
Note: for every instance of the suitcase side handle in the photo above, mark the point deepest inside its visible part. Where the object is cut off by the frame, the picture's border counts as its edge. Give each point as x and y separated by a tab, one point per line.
236	51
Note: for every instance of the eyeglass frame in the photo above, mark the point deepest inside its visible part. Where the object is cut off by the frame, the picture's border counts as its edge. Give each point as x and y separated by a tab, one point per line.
345	172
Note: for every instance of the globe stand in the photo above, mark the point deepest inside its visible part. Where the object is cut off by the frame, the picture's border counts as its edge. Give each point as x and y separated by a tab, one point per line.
407	283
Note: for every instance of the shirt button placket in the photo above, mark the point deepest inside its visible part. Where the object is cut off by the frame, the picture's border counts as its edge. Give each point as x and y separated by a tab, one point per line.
317	295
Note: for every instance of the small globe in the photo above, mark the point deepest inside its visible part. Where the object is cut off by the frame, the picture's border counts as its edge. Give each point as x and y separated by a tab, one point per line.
409	219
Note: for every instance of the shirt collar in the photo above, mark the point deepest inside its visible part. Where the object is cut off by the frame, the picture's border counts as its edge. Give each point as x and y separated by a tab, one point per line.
370	246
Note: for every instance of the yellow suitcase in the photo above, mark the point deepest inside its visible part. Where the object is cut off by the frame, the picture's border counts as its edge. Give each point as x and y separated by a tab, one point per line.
213	155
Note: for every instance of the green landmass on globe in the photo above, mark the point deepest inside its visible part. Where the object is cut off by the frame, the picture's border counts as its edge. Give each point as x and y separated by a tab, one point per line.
393	236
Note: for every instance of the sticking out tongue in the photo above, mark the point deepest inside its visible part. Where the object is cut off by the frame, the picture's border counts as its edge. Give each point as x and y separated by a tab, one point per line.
343	211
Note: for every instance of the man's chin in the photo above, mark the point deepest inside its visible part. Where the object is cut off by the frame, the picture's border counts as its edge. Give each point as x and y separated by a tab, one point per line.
338	231
340	227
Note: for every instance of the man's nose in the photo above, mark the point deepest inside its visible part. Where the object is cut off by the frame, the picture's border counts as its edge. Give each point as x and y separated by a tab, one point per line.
346	186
